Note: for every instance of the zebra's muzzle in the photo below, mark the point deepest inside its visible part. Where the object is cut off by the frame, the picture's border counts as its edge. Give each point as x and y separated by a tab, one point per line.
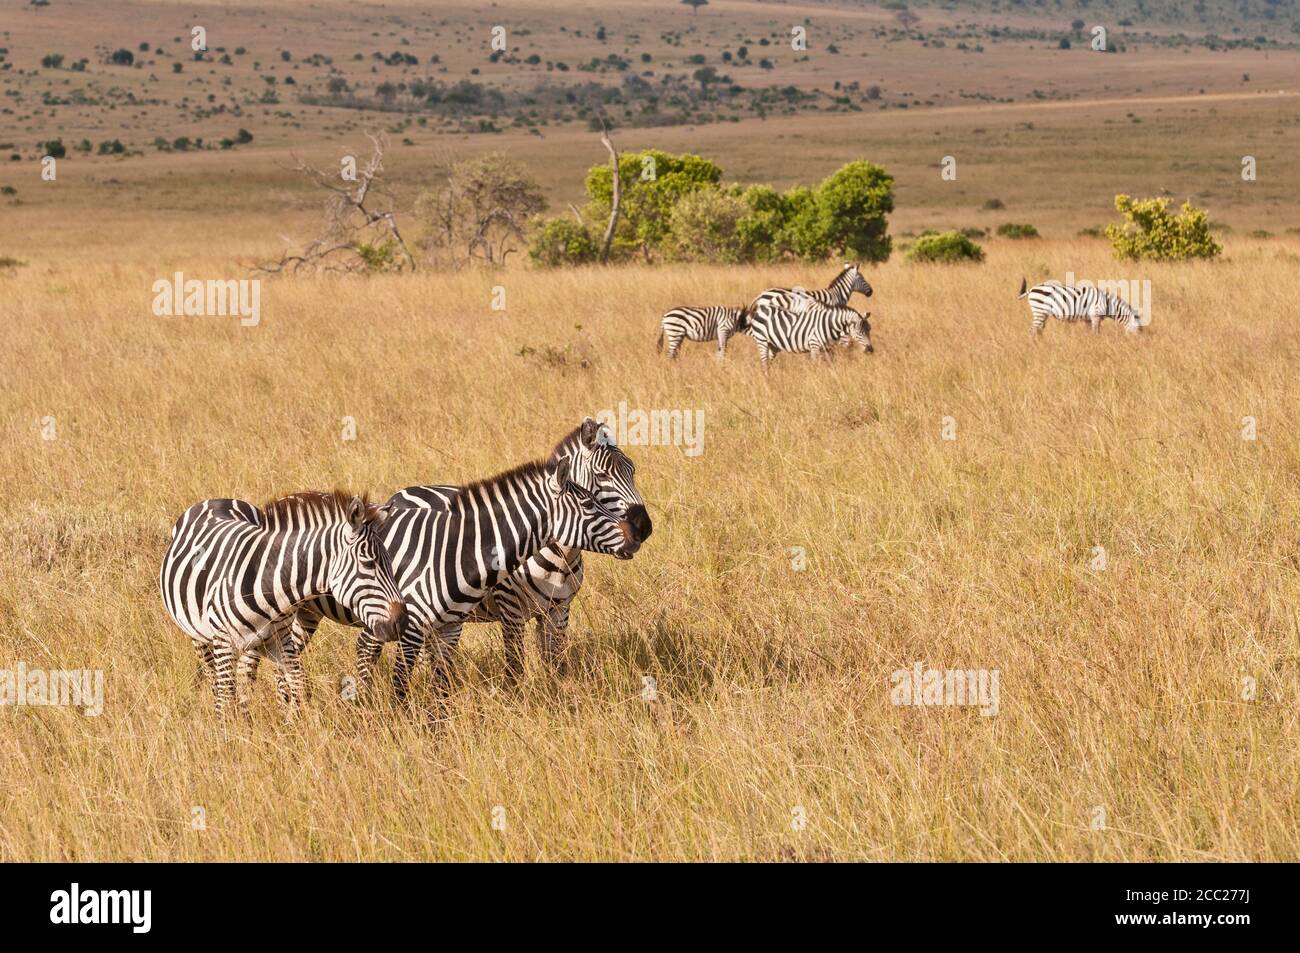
390	628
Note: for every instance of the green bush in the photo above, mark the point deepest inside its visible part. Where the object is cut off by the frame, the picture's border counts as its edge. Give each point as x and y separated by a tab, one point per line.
704	226
56	148
853	203
562	241
652	183
759	231
944	247
1151	232
1012	230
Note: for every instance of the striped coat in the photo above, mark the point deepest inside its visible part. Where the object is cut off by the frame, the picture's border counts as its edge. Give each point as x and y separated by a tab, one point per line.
812	330
1070	303
700	324
234	575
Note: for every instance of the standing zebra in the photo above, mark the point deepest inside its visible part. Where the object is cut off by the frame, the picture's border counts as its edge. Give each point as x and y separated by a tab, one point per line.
543	586
700	324
1069	303
838	292
233	575
811	330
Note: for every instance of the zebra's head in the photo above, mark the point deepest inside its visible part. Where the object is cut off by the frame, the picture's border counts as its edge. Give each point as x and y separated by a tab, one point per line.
1128	316
579	520
599	466
856	327
361	573
858	283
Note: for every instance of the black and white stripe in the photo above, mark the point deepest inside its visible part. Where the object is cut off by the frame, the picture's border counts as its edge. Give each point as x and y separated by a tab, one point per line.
811	330
838	292
543	586
700	324
233	576
1068	303
448	559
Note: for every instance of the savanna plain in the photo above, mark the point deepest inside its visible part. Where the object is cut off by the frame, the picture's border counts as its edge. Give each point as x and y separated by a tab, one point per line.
1108	522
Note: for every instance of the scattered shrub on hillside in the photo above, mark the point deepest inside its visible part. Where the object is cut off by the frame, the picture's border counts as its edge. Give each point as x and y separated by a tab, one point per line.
1012	230
994	204
1261	233
1091	231
944	247
55	148
562	241
1151	232
975	232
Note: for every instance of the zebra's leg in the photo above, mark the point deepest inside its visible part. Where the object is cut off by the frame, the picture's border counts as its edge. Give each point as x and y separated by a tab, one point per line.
1095	321
369	649
512	634
723	334
764	353
206	663
245	676
674	342
409	644
552	636
291	680
442	653
223	684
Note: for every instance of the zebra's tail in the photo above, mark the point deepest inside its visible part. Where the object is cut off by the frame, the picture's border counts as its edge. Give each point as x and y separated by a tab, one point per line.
742	322
659	345
1024	288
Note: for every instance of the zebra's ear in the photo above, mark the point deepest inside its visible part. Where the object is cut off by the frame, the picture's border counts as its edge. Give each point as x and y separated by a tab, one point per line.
559	474
357	514
590	431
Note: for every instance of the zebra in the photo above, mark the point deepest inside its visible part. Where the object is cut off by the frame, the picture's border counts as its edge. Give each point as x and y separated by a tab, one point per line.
700	324
838	292
447	560
542	587
233	575
1070	303
814	329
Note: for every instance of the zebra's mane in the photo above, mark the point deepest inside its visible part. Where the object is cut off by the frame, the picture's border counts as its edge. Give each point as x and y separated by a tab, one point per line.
523	472
306	502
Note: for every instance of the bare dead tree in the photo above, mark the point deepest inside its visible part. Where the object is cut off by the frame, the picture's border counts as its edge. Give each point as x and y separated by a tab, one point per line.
358	217
617	194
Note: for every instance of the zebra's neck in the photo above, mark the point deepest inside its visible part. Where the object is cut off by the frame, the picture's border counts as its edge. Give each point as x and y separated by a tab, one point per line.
498	524
841	289
296	565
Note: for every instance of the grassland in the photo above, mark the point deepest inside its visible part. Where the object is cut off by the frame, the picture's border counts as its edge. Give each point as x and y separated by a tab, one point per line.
1121	688
1159	689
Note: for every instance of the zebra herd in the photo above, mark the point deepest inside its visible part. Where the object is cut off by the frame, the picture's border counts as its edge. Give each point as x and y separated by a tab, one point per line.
247	584
799	321
779	319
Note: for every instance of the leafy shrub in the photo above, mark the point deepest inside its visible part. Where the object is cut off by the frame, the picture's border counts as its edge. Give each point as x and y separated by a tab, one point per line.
853	203
944	247
1151	232
122	57
652	182
993	205
562	241
1090	232
1261	233
381	256
704	227
1012	230
55	148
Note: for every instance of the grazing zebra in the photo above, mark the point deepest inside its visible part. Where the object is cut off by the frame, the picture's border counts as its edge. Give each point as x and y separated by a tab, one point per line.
700	324
838	292
542	587
811	330
1067	303
447	560
234	574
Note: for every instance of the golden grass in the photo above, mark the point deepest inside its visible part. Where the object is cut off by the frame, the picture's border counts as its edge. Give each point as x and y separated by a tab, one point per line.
1120	688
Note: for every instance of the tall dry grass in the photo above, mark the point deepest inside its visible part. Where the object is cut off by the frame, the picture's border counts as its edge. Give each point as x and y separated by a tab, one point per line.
1120	689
